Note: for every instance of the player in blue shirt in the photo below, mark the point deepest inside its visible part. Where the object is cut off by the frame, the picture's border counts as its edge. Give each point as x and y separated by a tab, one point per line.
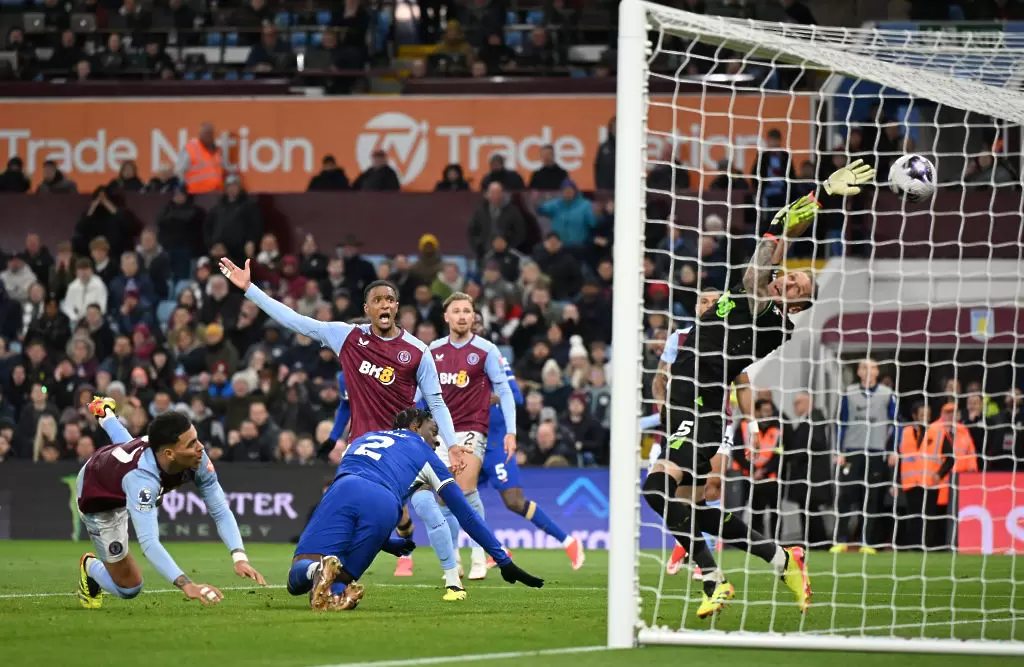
344	412
354	520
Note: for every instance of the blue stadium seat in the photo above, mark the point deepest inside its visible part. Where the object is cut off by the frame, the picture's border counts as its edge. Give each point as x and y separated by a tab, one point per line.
316	38
324	17
511	17
207	76
248	76
231	76
214	38
299	39
181	285
383	28
283	20
13	3
163	312
189	76
231	39
514	39
535	17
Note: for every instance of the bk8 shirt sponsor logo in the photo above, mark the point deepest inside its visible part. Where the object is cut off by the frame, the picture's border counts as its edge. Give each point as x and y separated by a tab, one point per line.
460	379
384	374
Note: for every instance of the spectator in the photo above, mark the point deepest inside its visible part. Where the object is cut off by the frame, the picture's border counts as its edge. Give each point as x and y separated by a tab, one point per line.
156	60
549	447
155	263
554	389
179	223
331	178
353	22
67	53
132	312
495	55
510	180
82	355
559	265
291	283
430	262
165	181
359	272
495	216
587	436
5	448
38	257
270	54
808	469
102	218
83	70
336	281
985	169
131	278
730	178
246	444
51	326
379	176
595	313
550	176
428	308
99	250
54	182
312	262
202	165
453	54
305	451
127	179
131	19
17	278
85	290
32	308
112	61
62	272
599	397
866	438
448	281
604	163
539	56
221	304
28	422
99	332
509	259
401	275
220	350
13	179
771	171
797	12
452	180
45	444
493	285
234	220
572	218
122	361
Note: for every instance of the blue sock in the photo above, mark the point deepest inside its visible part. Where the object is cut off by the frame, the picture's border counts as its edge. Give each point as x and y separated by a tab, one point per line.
300	576
712	540
477	503
100	575
538	517
426	508
453	526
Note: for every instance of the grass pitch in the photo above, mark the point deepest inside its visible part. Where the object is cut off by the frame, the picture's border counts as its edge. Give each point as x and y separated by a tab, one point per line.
404	621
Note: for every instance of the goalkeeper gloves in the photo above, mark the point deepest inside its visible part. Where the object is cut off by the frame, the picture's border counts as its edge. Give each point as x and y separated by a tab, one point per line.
797	213
512	573
846	181
99	406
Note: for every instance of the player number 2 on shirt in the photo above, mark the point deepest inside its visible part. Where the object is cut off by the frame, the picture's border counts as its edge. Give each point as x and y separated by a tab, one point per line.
374	442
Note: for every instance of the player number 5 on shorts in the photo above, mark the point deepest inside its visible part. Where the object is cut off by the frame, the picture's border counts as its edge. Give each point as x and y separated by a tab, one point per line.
123	456
679	437
501	473
374	442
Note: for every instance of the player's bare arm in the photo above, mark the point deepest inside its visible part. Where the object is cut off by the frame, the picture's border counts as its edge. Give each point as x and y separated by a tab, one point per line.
659	388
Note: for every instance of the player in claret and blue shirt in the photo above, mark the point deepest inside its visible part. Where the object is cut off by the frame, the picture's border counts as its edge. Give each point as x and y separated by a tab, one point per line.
353	521
125	480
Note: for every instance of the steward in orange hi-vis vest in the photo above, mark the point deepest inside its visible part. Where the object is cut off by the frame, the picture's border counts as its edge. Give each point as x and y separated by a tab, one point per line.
948	434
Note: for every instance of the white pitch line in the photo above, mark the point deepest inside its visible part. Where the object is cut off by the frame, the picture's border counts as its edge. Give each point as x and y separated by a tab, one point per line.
474	657
903	626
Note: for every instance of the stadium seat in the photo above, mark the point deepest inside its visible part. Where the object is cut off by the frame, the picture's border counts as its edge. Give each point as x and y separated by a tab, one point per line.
383	29
514	39
283	19
163	312
248	76
324	17
535	17
181	285
231	39
189	76
316	38
511	17
207	76
299	39
214	39
231	75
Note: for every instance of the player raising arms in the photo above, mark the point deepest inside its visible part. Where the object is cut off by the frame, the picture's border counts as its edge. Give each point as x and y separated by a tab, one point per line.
383	365
746	324
353	521
125	480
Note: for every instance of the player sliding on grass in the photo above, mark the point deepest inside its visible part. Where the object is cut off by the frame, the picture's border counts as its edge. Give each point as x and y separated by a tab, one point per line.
353	521
746	324
383	365
126	479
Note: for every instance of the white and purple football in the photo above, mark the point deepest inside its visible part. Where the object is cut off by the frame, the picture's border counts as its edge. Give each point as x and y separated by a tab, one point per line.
913	177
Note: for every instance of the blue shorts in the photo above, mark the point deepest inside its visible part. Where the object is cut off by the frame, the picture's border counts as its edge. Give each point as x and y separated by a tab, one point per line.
352	521
495	471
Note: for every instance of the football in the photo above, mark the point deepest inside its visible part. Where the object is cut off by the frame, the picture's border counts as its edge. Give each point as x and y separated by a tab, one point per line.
913	177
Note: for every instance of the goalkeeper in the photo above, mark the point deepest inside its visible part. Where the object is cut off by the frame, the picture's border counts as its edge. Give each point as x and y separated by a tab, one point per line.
748	322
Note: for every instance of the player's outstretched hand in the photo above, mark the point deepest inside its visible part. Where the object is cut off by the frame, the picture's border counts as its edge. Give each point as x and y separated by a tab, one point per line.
240	278
100	404
846	181
205	593
246	571
512	573
399	546
457	457
510	447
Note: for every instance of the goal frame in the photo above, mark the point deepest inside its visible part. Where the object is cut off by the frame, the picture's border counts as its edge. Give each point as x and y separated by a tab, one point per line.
625	628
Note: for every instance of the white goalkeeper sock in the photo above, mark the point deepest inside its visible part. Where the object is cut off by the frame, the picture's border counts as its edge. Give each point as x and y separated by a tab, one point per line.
779	560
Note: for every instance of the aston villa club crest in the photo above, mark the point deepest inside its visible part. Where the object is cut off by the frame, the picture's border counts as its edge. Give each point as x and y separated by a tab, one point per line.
404	357
473	359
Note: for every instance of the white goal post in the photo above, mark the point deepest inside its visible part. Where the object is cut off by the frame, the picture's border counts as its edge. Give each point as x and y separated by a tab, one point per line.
696	96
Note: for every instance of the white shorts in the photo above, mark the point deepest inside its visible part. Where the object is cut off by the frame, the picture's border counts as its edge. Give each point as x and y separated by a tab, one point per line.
474	439
109	534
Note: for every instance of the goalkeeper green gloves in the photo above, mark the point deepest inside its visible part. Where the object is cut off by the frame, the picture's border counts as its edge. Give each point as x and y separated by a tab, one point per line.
847	181
799	212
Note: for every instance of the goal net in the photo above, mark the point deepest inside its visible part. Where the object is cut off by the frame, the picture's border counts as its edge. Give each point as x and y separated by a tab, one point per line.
890	429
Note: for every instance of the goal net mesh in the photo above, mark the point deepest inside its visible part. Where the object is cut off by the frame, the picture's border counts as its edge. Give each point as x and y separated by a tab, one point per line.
742	117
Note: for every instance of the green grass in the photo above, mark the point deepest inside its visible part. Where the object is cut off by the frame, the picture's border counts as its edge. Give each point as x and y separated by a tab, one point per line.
406	619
